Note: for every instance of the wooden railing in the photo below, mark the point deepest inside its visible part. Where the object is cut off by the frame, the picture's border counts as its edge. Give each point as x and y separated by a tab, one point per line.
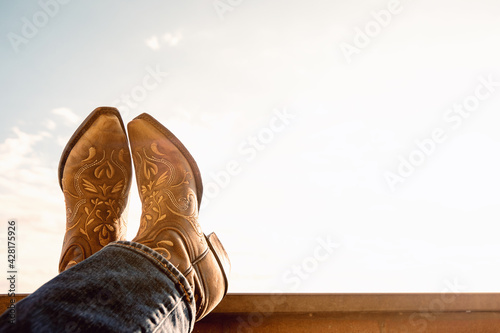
384	313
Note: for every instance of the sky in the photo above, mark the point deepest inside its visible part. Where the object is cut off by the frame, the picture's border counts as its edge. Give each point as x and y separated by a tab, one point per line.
345	146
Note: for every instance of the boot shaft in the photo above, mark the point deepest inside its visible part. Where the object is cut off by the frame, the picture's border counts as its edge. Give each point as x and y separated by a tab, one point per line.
95	175
170	188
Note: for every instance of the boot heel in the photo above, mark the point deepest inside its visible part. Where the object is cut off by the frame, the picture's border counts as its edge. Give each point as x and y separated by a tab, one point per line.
221	256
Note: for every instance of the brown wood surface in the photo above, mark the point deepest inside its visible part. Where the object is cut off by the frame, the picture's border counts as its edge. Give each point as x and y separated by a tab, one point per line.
384	313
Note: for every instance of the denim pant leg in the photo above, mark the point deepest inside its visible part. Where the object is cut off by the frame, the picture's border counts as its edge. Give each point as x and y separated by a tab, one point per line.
125	287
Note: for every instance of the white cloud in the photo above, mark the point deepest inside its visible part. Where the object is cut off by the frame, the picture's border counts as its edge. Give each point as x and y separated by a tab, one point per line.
23	171
15	152
172	39
153	43
69	116
49	124
29	192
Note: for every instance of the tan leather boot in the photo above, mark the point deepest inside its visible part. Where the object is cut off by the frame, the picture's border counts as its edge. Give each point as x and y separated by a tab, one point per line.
170	188
94	173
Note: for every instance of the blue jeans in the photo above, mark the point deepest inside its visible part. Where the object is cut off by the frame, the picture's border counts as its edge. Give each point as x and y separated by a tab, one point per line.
125	287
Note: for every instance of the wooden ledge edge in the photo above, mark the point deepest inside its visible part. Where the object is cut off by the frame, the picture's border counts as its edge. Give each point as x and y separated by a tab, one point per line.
387	302
346	302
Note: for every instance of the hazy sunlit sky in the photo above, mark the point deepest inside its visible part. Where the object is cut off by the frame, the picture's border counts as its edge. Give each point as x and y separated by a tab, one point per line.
345	146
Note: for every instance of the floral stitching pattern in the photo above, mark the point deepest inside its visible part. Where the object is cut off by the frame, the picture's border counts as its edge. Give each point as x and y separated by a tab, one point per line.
163	194
102	213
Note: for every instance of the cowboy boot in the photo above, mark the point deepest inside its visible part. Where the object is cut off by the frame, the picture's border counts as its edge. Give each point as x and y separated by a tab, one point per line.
94	173
170	189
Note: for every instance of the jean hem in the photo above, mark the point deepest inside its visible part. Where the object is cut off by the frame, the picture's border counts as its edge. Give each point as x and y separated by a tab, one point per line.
162	263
